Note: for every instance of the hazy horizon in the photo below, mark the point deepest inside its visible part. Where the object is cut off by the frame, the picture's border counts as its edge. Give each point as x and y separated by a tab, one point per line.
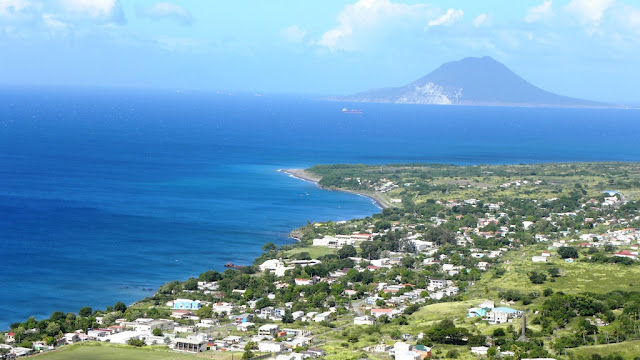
579	48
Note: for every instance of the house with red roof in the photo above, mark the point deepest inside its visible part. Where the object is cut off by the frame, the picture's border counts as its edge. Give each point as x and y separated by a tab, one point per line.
391	313
304	282
628	254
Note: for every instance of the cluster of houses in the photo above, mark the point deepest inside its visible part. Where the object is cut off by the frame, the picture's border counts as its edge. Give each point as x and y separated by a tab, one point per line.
617	238
402	350
271	338
385	185
18	351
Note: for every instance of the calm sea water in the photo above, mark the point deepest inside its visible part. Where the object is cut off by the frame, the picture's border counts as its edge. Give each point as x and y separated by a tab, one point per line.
104	194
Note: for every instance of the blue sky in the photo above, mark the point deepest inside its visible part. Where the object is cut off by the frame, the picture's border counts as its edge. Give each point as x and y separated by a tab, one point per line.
580	48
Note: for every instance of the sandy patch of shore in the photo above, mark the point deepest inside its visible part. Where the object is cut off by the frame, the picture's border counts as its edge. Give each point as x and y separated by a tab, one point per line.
305	175
302	174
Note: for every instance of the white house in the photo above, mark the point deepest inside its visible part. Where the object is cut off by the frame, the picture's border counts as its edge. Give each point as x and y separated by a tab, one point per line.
407	355
222	307
304	282
333	242
268	330
363	320
297	315
403	351
479	350
189	345
435	284
276	266
379	312
271	346
325	316
502	315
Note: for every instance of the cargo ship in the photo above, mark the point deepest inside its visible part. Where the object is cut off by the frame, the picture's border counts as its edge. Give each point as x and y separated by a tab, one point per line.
351	111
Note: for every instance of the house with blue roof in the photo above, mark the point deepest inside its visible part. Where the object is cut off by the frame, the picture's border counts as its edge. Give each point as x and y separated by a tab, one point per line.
481	310
477	312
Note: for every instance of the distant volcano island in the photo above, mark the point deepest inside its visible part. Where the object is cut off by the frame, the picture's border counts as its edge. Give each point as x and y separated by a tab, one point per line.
471	81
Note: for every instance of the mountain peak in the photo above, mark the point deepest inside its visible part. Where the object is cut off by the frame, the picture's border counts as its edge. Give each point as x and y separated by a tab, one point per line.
471	81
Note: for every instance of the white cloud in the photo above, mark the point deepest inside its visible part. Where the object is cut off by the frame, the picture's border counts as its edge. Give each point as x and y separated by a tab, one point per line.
589	11
540	12
293	34
168	10
633	16
53	23
447	18
108	11
12	7
480	20
172	44
357	22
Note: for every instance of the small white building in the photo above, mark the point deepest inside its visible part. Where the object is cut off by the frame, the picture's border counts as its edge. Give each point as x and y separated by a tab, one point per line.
502	315
276	266
189	345
379	312
333	242
407	355
268	330
325	316
304	282
403	351
479	350
271	346
363	320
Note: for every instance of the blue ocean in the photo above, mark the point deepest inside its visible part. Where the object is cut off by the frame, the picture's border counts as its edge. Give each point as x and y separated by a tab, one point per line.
107	194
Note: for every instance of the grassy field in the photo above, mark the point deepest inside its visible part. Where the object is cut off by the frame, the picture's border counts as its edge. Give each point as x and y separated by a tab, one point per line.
104	351
100	351
433	313
314	251
576	277
338	344
628	350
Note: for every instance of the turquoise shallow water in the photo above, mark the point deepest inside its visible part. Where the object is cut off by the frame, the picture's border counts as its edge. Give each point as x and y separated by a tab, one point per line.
106	194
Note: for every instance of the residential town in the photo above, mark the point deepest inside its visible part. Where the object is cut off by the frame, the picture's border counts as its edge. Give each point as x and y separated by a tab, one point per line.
472	268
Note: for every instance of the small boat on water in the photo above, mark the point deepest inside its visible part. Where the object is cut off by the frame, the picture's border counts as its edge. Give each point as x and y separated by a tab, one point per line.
351	111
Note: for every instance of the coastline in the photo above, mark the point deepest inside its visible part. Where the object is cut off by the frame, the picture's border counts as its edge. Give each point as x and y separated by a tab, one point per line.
300	174
304	175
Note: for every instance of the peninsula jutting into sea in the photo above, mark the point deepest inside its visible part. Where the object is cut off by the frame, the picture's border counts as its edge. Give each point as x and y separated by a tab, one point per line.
456	261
